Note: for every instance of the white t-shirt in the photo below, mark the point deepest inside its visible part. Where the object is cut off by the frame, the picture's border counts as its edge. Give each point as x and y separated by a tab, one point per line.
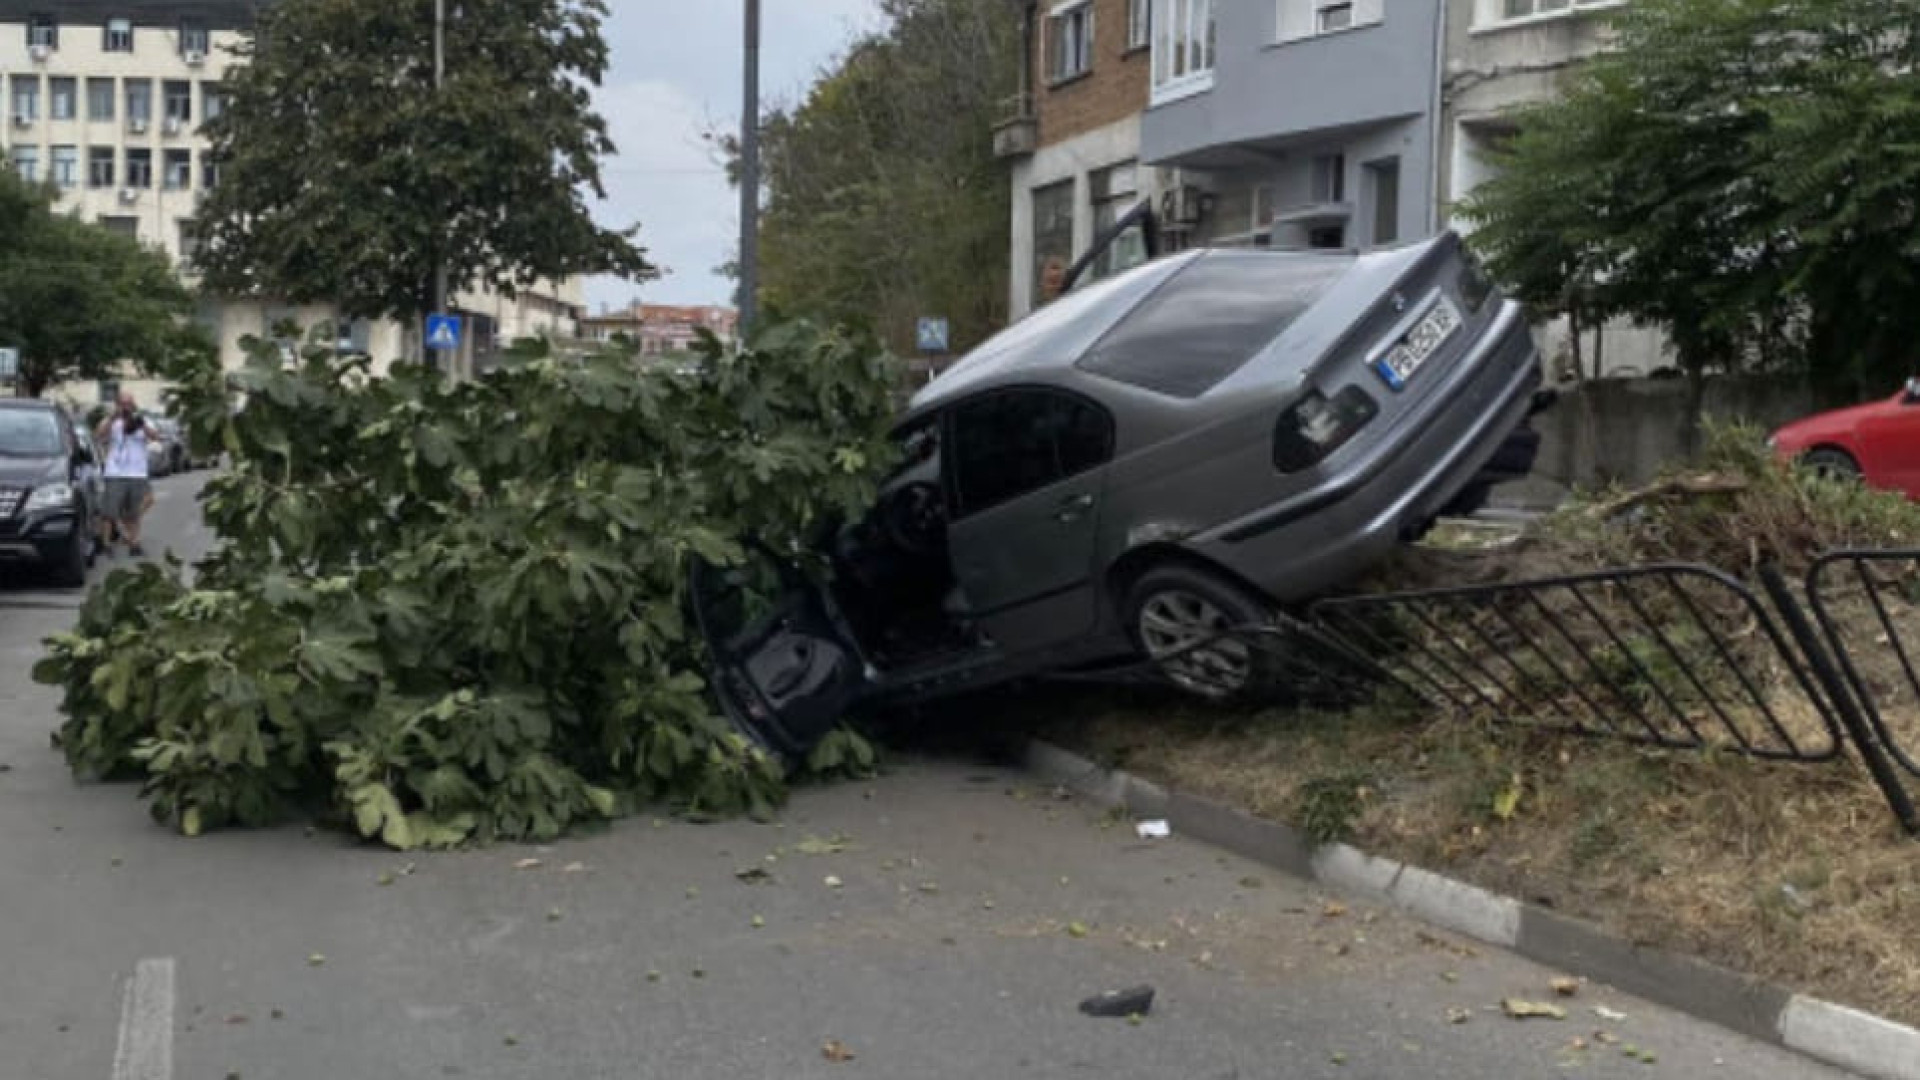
126	454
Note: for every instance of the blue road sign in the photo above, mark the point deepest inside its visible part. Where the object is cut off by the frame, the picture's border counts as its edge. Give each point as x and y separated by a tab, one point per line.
933	335
443	331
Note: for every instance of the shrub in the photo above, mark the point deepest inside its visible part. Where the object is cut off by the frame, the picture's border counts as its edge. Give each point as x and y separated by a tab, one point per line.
456	612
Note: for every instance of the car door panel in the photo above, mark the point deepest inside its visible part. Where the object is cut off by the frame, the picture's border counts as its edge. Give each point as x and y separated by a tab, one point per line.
1890	445
1027	475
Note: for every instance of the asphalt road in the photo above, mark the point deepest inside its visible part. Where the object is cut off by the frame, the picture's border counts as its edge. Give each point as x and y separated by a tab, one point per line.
942	921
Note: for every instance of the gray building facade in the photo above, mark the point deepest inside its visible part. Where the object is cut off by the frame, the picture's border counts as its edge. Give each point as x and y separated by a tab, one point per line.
1298	123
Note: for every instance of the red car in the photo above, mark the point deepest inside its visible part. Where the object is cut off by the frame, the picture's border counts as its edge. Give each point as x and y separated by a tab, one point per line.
1878	441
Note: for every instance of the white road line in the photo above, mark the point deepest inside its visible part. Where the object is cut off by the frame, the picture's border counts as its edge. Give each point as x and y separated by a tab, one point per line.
145	1051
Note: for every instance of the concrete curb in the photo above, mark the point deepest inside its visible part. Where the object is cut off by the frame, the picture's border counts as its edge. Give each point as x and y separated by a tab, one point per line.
1830	1033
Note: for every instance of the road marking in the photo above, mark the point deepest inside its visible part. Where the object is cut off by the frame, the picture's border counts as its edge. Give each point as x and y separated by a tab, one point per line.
145	1051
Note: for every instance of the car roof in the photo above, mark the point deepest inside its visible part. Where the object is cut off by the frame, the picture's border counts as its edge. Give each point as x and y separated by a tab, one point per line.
1046	345
1049	341
28	403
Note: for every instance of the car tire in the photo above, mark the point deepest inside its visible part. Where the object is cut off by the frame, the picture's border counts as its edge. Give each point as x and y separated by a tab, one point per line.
1174	607
1832	462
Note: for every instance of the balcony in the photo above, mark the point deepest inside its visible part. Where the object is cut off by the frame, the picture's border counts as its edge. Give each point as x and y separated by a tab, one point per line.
1017	135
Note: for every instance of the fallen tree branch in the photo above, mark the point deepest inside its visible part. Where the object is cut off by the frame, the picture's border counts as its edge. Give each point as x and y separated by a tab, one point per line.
1697	485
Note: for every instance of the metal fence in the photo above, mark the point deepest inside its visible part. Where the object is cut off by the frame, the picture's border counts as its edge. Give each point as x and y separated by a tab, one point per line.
1681	657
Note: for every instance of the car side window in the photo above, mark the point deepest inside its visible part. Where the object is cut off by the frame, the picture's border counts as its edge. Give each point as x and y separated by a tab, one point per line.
1019	441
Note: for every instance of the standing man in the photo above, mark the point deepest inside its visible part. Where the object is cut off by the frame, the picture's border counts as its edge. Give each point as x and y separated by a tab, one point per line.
125	433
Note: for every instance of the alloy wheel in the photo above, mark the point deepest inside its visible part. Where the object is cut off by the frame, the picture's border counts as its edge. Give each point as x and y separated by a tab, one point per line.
1183	630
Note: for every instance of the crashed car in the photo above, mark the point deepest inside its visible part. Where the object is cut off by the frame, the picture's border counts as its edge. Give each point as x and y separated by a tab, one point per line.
1181	449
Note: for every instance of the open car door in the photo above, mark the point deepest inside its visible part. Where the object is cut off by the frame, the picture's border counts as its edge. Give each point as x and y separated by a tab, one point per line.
782	667
1131	240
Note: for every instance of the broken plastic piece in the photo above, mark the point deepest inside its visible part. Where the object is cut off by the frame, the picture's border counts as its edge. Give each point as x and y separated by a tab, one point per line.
1137	1001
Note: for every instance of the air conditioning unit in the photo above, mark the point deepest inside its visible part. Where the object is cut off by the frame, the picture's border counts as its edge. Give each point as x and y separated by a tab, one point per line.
1182	207
172	126
196	58
40	53
138	127
128	196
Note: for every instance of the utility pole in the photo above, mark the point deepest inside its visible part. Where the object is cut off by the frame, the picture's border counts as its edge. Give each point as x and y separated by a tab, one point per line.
439	261
750	176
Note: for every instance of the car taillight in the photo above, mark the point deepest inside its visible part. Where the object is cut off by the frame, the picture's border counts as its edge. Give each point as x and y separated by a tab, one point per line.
1317	425
1473	284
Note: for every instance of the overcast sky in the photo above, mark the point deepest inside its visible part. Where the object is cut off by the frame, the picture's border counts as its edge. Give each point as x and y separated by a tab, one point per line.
676	73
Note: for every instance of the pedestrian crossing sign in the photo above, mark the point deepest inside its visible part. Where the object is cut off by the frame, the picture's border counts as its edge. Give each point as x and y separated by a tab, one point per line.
443	331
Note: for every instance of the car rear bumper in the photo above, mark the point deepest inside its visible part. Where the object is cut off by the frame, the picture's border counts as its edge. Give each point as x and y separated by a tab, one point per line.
1318	540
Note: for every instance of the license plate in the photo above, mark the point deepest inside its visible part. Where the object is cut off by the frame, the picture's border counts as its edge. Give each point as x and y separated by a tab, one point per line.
1421	342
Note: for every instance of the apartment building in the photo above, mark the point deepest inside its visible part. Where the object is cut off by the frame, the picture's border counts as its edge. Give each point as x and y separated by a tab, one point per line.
660	329
1073	133
105	99
1503	55
1296	123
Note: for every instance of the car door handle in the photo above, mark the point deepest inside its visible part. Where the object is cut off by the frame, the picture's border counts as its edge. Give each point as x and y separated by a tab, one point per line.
1073	509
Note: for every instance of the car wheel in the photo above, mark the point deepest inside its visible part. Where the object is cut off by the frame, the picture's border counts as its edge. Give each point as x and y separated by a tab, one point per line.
1832	463
1177	615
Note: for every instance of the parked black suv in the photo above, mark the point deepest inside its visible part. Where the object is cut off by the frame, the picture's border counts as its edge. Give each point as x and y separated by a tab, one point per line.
49	490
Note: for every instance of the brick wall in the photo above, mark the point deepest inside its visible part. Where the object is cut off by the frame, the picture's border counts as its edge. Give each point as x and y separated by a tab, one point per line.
1115	88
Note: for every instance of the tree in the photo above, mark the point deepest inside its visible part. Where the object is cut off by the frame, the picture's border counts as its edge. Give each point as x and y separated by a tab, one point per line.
884	201
77	300
1730	172
346	178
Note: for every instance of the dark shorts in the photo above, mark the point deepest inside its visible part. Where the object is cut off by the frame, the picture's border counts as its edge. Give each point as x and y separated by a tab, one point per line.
126	498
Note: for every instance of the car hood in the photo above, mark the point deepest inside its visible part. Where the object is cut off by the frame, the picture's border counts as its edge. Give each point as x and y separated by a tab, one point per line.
28	472
1831	424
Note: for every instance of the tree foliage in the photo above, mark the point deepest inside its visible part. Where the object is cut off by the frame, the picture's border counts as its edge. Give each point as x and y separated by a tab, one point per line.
345	177
457	612
884	201
1743	174
77	300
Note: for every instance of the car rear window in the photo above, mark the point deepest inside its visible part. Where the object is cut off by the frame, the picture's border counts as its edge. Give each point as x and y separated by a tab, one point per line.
1211	318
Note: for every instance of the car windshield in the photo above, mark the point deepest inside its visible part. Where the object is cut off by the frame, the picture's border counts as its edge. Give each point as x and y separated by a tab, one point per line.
28	433
1211	318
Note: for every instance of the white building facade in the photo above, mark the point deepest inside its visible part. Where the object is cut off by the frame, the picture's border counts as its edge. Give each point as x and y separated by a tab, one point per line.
104	99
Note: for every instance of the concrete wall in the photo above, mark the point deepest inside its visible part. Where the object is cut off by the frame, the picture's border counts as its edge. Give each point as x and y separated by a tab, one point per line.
1637	429
1267	89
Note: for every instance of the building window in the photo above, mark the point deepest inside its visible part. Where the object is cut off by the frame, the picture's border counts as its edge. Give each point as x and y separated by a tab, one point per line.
26	97
1384	178
1070	41
100	99
212	102
209	172
189	245
1329	178
179	102
140	100
61	93
119	36
1139	23
1183	47
100	166
1114	191
179	170
139	168
26	162
43	32
1307	18
128	227
1052	238
194	39
64	167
